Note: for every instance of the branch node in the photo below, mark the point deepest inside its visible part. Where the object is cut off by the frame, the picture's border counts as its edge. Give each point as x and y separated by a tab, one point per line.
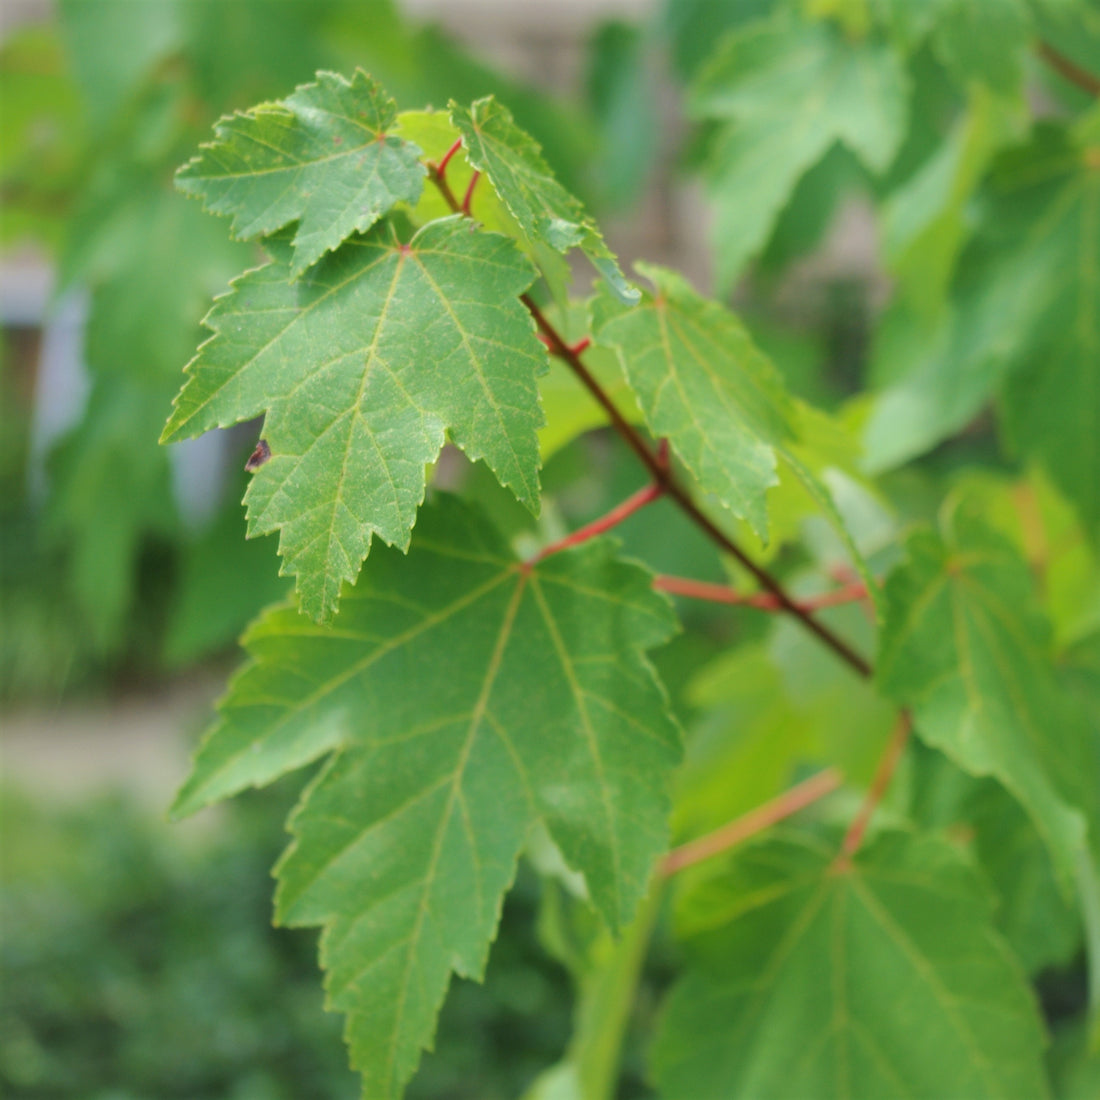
884	773
605	523
441	167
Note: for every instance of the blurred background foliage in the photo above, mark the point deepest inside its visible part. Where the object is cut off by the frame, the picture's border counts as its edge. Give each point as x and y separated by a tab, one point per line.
137	961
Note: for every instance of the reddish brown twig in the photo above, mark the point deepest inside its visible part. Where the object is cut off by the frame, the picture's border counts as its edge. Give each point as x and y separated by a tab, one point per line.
887	765
660	469
663	475
441	167
755	821
1069	70
469	196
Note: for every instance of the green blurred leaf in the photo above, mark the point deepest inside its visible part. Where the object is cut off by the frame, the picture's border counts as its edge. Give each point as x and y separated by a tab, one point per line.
41	143
965	646
1075	1067
110	456
621	90
358	400
745	745
978	41
324	157
542	707
881	978
983	40
115	44
1033	913
1025	312
1047	532
925	221
786	91
693	27
225	579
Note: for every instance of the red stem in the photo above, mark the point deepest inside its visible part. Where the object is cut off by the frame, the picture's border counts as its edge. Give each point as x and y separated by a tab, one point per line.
661	471
663	475
441	167
598	526
755	821
887	765
762	601
468	198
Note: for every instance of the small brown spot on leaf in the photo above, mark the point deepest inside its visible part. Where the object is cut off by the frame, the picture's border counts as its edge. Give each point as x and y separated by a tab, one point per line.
259	456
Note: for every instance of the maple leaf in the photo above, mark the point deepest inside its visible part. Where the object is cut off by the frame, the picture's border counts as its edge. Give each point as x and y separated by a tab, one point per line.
805	979
784	92
704	385
512	162
361	365
324	157
541	707
966	647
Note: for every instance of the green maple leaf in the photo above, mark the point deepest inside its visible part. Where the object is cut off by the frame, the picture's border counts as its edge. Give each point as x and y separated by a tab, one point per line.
704	385
1041	924
324	157
785	92
468	696
361	366
805	979
512	162
965	646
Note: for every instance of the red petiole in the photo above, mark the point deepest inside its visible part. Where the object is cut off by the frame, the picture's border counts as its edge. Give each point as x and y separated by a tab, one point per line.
762	601
605	523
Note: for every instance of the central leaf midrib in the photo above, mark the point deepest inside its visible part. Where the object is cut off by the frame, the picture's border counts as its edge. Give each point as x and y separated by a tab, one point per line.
480	706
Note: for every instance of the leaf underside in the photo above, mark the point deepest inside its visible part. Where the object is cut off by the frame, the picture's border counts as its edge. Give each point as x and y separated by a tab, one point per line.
466	697
803	981
965	646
